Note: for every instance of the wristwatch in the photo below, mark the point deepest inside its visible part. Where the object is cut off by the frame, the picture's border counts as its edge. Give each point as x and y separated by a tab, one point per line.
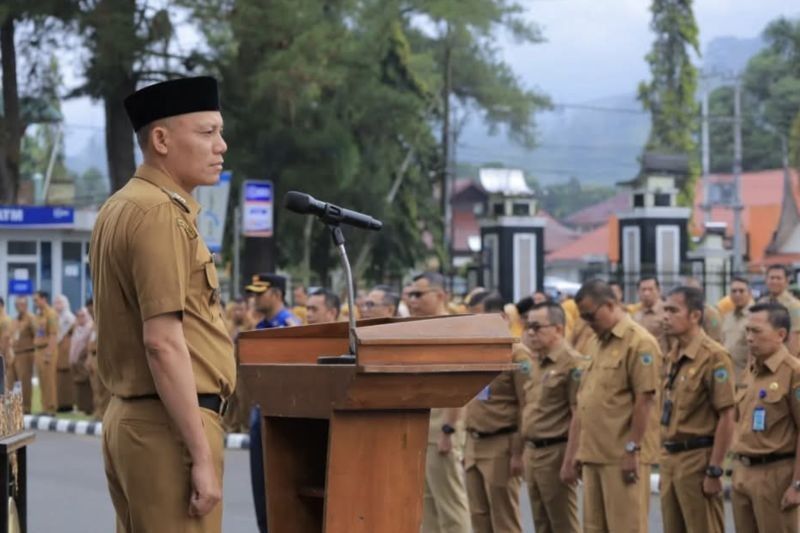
714	471
632	447
447	429
796	485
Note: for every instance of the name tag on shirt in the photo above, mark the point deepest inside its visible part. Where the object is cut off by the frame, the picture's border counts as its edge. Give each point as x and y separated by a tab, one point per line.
484	394
759	419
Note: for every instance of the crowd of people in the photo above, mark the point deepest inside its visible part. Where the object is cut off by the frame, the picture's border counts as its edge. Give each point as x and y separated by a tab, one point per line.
61	346
605	393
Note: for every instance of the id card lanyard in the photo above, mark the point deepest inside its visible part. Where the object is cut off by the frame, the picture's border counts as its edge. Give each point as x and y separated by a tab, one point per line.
760	414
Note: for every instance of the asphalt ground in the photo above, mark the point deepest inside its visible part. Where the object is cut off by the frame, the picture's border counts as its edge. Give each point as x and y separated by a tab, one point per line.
67	489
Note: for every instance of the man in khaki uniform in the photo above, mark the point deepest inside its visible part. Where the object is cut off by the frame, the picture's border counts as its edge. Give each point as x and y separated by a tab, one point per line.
733	328
696	419
445	504
381	302
766	473
46	354
650	313
778	292
5	336
617	424
493	452
162	347
550	402
20	368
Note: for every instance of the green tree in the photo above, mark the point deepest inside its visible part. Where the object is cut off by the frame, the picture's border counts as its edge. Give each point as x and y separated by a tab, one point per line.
670	94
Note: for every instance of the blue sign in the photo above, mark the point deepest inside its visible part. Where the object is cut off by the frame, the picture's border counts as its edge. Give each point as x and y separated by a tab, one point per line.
20	287
36	215
258	191
257	208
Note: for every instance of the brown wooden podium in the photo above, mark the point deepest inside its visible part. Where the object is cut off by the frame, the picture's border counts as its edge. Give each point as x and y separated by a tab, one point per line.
344	445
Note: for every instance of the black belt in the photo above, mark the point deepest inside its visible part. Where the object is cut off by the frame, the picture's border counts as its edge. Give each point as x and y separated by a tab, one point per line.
212	402
475	434
754	460
544	443
687	445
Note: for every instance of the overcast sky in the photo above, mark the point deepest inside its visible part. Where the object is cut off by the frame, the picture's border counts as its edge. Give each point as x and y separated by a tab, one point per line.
594	49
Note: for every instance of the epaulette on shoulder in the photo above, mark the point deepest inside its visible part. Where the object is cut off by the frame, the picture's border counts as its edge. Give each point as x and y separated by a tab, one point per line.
177	199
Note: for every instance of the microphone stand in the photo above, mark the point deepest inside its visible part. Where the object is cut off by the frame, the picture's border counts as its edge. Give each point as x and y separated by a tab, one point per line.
351	358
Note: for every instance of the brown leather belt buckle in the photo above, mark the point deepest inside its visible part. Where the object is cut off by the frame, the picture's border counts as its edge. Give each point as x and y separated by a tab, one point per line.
744	460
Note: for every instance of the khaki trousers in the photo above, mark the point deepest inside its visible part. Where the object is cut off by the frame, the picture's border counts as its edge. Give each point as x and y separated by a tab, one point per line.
684	506
82	387
64	389
445	507
21	369
609	504
756	498
554	504
493	494
46	370
148	469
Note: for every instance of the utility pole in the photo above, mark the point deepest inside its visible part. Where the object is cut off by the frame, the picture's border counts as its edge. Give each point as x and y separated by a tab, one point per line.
706	157
737	177
446	138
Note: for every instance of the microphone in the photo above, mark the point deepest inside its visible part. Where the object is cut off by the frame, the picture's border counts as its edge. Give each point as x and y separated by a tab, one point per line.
305	204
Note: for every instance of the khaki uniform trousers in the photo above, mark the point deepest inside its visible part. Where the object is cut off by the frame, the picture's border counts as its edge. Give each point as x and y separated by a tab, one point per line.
82	387
100	394
554	504
612	506
493	494
46	368
64	388
756	498
445	507
21	369
684	506
148	468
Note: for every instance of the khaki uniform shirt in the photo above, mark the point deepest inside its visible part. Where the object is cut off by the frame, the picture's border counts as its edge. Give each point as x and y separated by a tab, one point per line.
789	302
712	323
148	259
702	386
24	331
552	393
5	334
627	363
583	338
735	341
497	407
779	379
653	321
46	326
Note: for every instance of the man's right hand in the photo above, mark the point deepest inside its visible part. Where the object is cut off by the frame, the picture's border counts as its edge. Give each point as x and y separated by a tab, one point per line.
206	489
570	472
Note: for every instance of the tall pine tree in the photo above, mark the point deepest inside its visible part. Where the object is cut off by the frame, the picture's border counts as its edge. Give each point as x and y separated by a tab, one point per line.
670	95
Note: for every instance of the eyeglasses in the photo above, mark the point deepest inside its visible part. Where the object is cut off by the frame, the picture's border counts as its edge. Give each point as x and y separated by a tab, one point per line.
413	295
535	327
589	317
370	305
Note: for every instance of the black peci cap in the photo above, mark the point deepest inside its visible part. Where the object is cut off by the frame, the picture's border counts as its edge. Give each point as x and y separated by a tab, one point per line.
170	98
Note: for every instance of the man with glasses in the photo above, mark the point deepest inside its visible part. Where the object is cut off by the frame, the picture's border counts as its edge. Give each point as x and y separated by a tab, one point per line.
445	506
696	419
778	292
618	431
381	302
548	421
734	328
493	453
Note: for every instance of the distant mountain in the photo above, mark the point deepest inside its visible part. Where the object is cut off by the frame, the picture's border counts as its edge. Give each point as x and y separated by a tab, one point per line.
598	141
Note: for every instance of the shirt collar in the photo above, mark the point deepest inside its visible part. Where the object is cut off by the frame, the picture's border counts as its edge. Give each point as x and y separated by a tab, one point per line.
161	180
555	353
691	350
774	361
653	310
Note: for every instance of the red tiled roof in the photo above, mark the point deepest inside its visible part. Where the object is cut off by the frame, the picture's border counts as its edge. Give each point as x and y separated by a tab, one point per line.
762	196
556	234
594	243
597	214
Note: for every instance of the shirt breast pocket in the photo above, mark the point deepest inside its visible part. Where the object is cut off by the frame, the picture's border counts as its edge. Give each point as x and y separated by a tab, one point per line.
776	407
612	373
689	393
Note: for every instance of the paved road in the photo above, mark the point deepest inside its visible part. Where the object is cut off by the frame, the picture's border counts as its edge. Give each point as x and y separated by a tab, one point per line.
68	490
